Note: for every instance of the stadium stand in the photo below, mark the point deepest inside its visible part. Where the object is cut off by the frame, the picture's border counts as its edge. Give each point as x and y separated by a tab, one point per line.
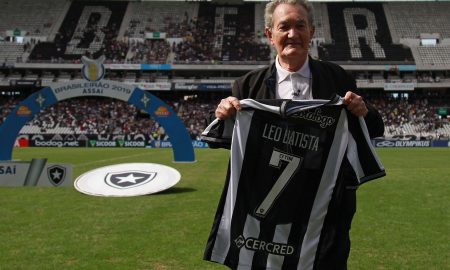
206	45
187	30
11	52
434	56
109	116
411	19
172	18
89	28
415	116
199	32
359	32
33	18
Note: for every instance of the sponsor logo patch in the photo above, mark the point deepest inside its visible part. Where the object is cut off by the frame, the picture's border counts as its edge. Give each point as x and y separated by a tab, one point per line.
261	245
93	69
316	116
162	111
24	111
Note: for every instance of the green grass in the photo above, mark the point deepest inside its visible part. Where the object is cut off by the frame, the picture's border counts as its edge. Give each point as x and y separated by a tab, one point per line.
402	221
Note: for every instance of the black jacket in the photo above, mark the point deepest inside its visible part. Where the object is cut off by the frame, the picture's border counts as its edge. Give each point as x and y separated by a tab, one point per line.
328	79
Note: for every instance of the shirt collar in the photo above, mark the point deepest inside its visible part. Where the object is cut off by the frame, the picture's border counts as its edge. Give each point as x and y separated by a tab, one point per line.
282	74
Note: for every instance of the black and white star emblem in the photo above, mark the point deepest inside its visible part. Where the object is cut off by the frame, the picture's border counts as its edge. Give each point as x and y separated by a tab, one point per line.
56	174
129	179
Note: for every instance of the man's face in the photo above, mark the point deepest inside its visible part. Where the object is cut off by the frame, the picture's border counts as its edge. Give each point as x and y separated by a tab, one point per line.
291	32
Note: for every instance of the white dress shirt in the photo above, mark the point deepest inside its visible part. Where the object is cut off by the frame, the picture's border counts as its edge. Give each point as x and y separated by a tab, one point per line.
294	85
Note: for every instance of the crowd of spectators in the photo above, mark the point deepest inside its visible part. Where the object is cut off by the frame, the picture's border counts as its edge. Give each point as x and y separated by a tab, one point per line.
416	116
189	40
7	104
194	112
198	43
432	77
154	51
110	116
196	46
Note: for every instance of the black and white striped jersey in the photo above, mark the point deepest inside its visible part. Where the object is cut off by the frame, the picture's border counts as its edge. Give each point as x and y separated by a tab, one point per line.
286	158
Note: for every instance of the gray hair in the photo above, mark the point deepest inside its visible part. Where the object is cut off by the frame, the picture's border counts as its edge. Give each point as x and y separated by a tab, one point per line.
273	4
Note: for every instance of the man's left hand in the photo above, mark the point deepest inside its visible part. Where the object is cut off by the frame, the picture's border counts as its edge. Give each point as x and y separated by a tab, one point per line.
355	104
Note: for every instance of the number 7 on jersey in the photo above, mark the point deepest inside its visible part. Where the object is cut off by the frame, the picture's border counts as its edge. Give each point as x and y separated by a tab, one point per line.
282	181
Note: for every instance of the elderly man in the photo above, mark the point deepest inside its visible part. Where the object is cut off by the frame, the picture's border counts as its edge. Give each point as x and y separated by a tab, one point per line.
294	75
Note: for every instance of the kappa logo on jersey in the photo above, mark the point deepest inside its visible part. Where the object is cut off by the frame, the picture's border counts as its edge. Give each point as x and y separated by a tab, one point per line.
56	174
93	70
260	245
129	179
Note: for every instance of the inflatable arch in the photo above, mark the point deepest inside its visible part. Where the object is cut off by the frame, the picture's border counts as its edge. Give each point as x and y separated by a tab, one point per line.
24	112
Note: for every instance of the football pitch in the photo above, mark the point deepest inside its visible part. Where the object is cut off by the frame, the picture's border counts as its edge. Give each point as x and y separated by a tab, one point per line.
402	220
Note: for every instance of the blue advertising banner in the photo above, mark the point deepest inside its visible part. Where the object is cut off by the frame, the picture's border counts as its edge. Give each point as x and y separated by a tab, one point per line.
156	67
441	143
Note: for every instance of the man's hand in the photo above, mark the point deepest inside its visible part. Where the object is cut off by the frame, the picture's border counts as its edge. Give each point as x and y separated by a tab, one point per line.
227	108
355	104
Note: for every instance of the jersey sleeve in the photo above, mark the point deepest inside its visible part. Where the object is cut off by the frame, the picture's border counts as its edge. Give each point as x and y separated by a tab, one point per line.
218	134
360	152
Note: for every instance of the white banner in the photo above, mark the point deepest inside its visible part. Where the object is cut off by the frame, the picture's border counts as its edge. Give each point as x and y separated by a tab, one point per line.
399	86
124	66
154	85
105	88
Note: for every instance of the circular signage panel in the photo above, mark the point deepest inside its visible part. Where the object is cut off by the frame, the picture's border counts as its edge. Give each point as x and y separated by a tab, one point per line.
127	179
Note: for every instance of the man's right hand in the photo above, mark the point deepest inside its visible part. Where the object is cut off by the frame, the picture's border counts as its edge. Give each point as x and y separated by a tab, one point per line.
227	108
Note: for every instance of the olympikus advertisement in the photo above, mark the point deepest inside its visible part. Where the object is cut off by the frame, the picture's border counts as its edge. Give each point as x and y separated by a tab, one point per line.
410	143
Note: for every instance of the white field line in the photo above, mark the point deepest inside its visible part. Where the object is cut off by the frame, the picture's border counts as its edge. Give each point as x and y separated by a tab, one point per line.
109	159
